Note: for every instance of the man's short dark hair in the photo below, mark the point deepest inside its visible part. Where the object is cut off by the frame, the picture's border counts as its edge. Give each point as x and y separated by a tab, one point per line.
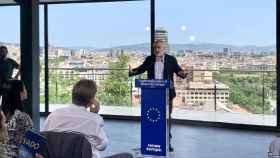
3	53
83	91
3	47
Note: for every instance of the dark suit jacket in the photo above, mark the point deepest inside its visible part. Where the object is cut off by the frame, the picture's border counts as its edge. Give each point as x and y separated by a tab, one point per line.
170	67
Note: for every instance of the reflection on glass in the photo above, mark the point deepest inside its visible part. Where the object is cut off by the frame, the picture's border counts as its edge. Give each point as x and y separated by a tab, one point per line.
231	57
97	45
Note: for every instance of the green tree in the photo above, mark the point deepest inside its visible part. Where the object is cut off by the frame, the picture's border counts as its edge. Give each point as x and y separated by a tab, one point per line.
60	88
116	86
247	91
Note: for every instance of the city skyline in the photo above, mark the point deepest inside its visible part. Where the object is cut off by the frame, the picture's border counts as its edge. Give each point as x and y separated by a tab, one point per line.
219	21
205	47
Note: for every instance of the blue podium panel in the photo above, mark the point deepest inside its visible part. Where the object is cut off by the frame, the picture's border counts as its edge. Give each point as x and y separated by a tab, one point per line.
154	115
153	122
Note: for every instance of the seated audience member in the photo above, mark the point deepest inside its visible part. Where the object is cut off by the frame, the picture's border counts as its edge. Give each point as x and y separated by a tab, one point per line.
17	121
76	118
5	151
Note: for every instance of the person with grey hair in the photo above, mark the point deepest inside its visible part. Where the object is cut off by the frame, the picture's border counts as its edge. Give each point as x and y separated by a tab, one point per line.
77	118
161	66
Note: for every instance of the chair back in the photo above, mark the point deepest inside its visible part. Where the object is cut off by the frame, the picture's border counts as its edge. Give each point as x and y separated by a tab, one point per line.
67	145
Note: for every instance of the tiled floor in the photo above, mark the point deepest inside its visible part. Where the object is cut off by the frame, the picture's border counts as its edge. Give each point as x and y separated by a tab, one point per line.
193	141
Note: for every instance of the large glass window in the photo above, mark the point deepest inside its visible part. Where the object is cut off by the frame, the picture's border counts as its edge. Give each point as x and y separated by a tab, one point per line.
42	59
230	48
10	31
98	41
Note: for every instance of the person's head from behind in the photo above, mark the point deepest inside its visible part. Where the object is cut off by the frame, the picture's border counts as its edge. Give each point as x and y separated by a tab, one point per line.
159	48
13	97
3	52
83	93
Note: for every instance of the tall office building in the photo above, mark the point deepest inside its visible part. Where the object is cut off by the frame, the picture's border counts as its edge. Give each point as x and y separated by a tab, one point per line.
162	34
226	50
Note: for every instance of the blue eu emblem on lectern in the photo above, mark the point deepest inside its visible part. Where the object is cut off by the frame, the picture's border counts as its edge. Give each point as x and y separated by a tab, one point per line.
153	114
154	109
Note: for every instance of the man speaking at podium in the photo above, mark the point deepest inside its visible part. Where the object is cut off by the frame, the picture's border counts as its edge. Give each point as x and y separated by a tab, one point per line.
161	66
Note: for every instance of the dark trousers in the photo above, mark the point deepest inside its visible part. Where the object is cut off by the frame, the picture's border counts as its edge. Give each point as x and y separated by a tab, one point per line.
1	87
169	121
4	86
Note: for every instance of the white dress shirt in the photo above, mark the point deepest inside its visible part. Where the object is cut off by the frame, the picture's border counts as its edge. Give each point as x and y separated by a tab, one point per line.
159	66
78	119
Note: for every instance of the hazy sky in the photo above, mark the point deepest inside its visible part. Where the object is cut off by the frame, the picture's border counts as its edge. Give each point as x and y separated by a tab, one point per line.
238	22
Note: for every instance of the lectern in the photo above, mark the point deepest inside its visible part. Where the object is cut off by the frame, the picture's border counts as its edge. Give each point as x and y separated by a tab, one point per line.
154	116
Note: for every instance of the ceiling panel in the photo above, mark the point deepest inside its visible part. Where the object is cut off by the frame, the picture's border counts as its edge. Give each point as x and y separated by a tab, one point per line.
7	2
12	2
79	1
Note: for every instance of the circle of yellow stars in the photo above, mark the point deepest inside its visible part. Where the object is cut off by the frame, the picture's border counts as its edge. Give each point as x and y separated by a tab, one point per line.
153	115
